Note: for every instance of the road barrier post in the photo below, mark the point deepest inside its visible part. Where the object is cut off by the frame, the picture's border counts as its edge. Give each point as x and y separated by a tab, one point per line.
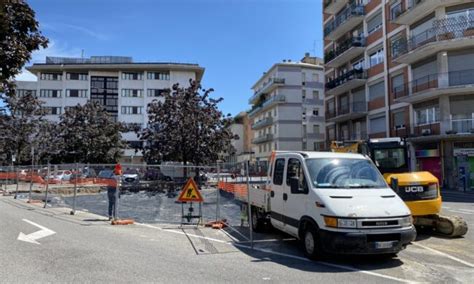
31	183
17	181
218	191
47	187
249	217
73	212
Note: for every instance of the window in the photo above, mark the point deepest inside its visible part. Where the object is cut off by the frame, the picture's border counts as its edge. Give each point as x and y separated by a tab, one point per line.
278	172
377	124
304	145
377	90
24	92
344	173
316	112
276	146
51	110
76	76
397	83
304	130
158	75
359	64
294	170
316	95
133	126
399	120
76	93
156	92
132	110
375	23
303	94
316	128
51	76
395	10
132	76
376	57
315	77
393	158
133	93
50	93
427	115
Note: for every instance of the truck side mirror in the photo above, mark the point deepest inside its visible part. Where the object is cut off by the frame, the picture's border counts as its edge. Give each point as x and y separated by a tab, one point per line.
294	185
394	184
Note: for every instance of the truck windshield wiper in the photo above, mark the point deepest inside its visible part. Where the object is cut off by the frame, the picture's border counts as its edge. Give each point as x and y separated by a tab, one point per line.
328	185
361	186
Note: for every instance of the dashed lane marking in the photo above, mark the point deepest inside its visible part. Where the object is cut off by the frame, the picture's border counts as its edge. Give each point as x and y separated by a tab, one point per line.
445	255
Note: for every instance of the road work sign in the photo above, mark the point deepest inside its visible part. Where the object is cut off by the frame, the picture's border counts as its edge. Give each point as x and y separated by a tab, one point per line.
190	192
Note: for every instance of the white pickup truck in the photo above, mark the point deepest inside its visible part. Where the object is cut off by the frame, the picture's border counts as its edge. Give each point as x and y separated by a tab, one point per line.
333	203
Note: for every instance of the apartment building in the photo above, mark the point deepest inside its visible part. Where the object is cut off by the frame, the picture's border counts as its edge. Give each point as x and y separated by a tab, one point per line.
288	108
404	68
122	86
243	145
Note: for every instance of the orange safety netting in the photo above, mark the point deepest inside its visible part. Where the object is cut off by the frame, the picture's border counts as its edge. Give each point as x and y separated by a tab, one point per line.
35	178
239	190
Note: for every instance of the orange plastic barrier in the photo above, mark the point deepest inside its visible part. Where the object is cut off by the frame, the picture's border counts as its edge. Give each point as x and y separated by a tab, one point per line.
238	189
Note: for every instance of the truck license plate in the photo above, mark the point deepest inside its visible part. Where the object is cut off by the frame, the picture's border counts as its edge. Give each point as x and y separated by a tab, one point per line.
383	245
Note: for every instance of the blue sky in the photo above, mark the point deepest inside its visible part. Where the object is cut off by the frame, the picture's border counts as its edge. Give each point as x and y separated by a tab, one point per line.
235	40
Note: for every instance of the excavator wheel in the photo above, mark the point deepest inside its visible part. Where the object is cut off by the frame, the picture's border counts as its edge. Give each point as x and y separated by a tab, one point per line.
451	226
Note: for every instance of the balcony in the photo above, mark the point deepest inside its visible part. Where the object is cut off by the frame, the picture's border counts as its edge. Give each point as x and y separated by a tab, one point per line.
345	51
344	22
416	10
446	34
347	81
436	85
314	101
266	104
330	113
262	123
333	6
317	136
262	139
351	111
267	88
462	126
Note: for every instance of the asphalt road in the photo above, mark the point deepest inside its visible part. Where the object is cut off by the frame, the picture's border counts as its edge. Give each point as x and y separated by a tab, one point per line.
85	248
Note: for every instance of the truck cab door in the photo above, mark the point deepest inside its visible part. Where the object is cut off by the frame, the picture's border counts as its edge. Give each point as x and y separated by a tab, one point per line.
295	199
276	194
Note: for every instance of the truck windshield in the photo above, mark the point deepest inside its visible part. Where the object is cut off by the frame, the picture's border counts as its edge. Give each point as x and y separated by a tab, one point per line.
344	173
391	158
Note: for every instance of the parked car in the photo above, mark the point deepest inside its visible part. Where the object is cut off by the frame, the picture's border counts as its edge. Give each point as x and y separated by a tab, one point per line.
156	174
108	174
130	179
60	176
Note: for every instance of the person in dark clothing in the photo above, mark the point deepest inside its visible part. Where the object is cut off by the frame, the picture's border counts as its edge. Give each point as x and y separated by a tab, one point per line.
111	194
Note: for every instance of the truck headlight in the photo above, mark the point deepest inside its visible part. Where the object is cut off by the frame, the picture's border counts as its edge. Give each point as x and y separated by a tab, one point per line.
340	223
406	221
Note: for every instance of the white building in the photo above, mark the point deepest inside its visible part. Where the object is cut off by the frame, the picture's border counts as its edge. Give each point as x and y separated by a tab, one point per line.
121	85
288	108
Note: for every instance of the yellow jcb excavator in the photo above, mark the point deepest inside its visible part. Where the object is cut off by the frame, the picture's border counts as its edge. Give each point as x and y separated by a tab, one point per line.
419	190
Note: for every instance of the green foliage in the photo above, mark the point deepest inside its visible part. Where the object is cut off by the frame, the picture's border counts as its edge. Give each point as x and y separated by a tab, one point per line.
187	127
19	37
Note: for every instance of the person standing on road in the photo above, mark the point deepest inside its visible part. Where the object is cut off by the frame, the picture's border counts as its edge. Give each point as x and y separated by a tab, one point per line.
113	191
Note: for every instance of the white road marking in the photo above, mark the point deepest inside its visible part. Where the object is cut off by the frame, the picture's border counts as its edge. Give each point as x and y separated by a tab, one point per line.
33	237
461	212
349	268
467	210
445	254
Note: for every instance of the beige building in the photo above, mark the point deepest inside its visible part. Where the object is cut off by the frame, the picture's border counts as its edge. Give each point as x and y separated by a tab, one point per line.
288	108
404	68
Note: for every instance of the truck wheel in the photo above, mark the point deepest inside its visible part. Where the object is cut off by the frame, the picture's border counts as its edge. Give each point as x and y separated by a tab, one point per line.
311	244
257	222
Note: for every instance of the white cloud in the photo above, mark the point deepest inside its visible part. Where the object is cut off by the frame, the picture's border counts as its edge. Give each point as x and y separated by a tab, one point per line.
39	56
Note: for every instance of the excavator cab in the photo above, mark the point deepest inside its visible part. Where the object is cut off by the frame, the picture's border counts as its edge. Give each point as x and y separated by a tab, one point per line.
419	190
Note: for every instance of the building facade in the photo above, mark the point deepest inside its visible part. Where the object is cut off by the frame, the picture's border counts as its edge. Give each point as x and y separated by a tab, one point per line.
122	86
243	145
403	68
288	108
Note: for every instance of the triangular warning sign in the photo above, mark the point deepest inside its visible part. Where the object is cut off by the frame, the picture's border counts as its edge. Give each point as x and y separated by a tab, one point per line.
190	192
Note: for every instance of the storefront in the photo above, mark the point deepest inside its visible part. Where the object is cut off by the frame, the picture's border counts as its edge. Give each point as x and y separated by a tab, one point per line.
464	165
429	160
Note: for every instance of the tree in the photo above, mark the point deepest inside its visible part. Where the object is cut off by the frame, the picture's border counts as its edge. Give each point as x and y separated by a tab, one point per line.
186	127
20	126
89	134
19	37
